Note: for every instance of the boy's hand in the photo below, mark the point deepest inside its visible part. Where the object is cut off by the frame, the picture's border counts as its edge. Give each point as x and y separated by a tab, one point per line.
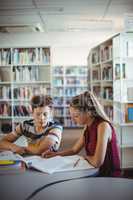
19	150
48	154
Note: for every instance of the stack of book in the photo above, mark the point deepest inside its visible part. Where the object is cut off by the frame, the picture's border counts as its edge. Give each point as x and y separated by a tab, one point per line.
11	166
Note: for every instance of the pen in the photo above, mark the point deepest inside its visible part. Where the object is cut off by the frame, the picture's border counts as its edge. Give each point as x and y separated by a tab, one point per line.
75	164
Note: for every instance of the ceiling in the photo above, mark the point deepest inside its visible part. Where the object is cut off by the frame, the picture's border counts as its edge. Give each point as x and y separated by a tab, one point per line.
65	16
62	15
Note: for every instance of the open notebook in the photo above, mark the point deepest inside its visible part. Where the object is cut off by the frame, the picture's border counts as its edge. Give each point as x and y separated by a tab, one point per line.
49	165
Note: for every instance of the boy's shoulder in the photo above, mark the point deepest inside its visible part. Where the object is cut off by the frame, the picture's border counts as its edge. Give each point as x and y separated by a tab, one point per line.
54	124
27	123
30	122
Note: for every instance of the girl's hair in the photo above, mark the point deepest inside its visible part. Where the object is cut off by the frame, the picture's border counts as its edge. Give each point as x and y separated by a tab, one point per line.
41	101
87	102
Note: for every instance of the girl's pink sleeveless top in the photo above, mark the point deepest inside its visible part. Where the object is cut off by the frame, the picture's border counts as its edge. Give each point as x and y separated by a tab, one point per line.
111	164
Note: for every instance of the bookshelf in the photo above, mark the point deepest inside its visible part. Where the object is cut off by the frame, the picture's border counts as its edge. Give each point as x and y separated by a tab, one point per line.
67	81
23	72
110	79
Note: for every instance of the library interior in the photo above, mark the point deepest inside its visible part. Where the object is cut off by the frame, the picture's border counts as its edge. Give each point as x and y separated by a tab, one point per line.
62	49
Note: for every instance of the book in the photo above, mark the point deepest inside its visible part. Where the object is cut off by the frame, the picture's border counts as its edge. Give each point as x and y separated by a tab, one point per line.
75	163
49	165
11	166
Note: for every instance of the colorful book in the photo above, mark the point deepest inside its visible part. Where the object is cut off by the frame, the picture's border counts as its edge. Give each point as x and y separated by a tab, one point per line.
11	166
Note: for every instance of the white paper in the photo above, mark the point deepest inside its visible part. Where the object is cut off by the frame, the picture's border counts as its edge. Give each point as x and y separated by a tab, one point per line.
48	165
81	165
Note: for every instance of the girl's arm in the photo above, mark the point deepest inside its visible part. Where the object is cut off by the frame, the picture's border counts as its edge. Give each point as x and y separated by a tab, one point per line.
104	135
6	143
71	151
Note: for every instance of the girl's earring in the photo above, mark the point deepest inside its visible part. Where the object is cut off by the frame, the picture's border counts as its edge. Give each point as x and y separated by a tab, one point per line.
89	113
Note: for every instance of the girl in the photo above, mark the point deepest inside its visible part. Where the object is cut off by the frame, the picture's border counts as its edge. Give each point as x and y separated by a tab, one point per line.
41	132
98	138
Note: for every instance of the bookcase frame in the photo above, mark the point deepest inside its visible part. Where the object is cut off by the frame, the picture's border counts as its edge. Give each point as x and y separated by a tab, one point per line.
119	58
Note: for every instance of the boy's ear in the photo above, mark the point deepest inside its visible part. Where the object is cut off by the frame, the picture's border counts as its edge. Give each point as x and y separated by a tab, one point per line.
31	110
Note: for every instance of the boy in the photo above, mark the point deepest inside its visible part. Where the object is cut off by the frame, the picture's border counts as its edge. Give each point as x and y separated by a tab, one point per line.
41	132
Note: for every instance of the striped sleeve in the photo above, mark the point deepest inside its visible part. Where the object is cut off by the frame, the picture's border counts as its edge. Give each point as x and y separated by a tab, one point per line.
57	126
18	130
55	133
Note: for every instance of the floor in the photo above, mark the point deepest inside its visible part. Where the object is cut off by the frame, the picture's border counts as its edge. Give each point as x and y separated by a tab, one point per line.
69	138
128	173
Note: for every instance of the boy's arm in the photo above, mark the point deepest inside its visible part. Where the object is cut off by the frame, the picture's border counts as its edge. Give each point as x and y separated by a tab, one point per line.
70	151
39	147
52	140
6	143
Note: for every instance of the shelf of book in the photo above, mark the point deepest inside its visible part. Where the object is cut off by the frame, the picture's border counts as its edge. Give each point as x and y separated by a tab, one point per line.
67	81
24	72
110	79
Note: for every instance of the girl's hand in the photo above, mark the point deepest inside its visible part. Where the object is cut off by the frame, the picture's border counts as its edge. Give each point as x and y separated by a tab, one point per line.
49	154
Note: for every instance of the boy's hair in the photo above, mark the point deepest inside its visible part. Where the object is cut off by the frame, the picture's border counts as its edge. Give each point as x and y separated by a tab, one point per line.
41	101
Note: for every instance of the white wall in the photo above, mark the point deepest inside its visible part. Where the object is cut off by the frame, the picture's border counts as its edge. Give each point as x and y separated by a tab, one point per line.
70	55
67	48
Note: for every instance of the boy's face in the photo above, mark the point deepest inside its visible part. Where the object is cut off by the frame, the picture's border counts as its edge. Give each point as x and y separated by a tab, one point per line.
41	115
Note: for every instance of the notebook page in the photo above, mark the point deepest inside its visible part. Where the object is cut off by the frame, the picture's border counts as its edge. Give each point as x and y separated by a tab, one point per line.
48	165
81	165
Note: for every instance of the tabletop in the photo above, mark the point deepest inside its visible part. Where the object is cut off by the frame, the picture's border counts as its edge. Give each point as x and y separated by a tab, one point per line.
20	186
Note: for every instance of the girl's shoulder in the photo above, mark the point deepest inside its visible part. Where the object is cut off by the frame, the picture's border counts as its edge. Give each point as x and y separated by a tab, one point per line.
104	124
104	127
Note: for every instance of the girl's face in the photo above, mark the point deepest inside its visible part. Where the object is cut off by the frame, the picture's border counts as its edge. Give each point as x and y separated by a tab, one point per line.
80	118
41	115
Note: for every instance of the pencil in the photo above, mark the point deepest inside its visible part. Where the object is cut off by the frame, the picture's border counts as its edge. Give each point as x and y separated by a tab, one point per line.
75	164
